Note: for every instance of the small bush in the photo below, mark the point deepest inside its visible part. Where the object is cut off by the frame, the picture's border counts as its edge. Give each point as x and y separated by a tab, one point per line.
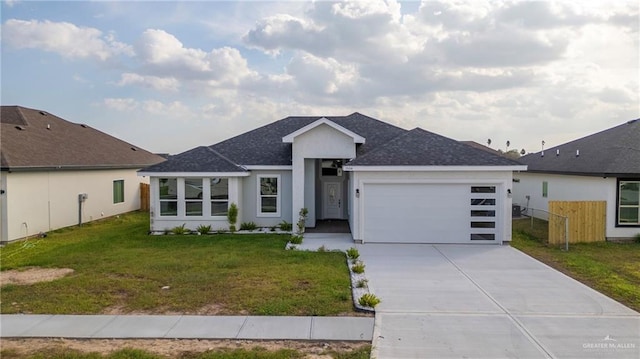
358	268
369	300
362	283
180	229
322	249
286	226
273	228
296	239
202	229
352	253
232	216
248	226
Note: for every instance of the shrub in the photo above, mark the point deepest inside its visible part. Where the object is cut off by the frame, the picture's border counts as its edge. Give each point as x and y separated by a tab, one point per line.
248	226
232	217
362	283
352	253
369	300
286	226
358	268
296	239
203	229
180	229
322	249
273	228
302	219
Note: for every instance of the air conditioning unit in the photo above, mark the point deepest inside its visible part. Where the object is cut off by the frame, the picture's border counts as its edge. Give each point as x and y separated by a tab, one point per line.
515	210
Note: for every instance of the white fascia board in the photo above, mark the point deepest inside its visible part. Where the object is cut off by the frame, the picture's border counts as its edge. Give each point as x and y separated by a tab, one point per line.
433	168
268	168
323	121
194	174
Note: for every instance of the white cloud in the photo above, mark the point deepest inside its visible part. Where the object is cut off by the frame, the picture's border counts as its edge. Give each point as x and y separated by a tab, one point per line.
121	104
154	82
66	39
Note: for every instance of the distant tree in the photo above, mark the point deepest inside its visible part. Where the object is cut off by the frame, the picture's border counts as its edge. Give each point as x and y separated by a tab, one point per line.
523	152
508	144
514	154
489	142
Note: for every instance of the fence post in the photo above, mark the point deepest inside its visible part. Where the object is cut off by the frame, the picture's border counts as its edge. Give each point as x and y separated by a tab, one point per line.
566	233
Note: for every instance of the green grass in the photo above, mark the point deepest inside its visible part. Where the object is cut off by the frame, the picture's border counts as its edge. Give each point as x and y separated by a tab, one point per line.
609	267
117	265
256	353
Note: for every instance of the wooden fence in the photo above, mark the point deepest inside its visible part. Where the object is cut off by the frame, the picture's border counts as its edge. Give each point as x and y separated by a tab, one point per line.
587	221
144	197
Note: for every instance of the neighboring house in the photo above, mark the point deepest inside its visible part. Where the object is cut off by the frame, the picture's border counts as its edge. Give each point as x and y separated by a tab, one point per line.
392	185
47	163
601	167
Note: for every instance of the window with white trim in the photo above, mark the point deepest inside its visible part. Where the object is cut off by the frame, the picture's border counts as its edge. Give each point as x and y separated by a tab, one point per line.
118	191
219	196
168	188
193	196
269	195
629	203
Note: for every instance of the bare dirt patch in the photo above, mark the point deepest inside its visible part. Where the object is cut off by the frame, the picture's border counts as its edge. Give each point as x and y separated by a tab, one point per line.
175	347
32	275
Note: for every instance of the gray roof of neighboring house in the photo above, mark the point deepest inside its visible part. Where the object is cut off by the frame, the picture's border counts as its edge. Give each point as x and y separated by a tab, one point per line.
612	152
386	144
32	139
423	148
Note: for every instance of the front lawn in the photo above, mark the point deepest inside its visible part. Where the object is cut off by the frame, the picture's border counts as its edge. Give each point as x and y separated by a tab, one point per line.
120	269
609	267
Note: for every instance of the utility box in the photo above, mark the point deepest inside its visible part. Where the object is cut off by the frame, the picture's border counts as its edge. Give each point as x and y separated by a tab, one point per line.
82	197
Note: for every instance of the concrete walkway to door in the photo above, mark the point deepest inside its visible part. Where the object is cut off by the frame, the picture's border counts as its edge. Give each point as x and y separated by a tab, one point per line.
475	301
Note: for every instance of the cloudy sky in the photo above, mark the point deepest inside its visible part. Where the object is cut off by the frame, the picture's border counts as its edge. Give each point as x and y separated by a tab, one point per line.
169	76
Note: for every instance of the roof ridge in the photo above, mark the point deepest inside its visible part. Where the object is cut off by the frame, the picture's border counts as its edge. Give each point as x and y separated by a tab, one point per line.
223	157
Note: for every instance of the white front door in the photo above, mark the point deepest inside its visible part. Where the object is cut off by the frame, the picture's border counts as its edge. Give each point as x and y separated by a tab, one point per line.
332	200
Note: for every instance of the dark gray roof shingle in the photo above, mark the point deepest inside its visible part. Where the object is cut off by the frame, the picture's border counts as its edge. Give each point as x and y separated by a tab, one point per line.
612	152
423	148
34	139
199	159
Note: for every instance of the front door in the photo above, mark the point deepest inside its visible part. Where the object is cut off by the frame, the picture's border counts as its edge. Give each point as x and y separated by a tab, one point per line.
332	200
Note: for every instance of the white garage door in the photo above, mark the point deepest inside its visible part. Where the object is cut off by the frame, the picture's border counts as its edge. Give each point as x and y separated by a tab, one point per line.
430	213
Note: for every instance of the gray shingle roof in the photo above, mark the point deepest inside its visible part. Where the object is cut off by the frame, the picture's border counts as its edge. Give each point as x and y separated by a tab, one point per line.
423	148
199	159
34	139
386	145
612	152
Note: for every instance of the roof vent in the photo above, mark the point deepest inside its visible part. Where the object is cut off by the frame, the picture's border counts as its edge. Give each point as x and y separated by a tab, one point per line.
577	153
632	121
19	128
43	113
542	154
134	149
558	152
83	125
48	126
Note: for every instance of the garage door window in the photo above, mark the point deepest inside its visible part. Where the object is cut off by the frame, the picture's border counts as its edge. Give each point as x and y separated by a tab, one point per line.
483	213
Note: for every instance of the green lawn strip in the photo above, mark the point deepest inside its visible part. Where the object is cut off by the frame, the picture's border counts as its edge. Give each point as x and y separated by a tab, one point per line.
609	267
255	353
118	265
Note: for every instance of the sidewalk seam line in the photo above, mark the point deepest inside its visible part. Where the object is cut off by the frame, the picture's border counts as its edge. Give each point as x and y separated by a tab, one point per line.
246	319
311	327
173	326
113	317
524	330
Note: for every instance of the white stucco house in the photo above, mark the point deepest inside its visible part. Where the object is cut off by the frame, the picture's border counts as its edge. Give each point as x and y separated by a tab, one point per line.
390	184
55	173
604	166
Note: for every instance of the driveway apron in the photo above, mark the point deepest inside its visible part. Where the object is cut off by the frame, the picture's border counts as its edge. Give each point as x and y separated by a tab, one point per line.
480	301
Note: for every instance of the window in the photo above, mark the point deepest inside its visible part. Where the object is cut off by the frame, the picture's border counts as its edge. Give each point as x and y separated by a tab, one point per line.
269	196
118	191
168	196
219	196
545	189
193	196
629	202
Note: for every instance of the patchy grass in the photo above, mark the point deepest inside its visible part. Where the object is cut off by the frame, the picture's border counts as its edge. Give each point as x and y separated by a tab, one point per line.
609	267
254	353
119	267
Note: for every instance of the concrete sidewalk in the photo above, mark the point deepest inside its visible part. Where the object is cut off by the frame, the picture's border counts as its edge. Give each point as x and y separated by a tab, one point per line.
186	327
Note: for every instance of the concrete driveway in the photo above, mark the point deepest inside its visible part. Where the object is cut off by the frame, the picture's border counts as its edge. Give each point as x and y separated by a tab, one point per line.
474	301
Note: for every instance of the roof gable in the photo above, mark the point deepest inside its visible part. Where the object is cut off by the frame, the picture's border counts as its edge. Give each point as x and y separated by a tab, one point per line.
615	151
199	159
423	148
34	139
323	121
